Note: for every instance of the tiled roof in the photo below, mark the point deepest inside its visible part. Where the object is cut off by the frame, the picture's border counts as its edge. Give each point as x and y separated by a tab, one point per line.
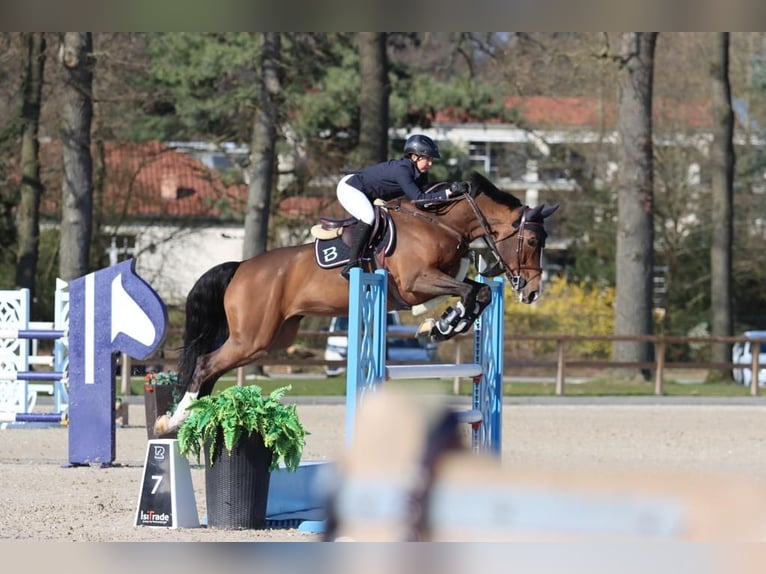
304	207
580	112
563	112
150	180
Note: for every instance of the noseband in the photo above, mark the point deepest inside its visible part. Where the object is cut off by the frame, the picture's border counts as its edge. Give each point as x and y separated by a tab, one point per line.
516	279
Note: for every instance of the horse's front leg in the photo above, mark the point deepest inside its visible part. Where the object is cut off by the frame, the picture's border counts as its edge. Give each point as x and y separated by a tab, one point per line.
458	319
474	298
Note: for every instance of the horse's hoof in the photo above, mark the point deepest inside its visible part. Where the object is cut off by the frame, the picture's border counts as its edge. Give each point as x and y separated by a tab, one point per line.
161	425
438	336
426	327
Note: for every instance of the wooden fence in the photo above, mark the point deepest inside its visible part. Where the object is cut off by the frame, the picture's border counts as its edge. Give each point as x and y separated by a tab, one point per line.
560	364
658	366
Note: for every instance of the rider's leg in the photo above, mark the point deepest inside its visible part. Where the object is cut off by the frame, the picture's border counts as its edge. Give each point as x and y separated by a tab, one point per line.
358	205
359	241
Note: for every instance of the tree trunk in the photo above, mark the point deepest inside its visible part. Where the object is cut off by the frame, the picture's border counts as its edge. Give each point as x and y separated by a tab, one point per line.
263	153
31	186
76	56
635	232
373	98
722	162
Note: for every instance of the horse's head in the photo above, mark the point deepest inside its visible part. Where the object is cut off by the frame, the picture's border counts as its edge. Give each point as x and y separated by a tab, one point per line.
516	234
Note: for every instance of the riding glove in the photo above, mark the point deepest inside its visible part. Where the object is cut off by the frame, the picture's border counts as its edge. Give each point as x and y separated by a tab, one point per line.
458	188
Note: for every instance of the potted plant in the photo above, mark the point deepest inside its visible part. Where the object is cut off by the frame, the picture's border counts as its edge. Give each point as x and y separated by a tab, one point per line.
244	435
162	391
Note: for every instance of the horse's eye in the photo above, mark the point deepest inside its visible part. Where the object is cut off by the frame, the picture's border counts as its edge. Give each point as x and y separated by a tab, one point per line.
532	242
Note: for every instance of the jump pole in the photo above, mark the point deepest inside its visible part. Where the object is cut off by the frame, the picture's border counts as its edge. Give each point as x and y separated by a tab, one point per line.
366	367
17	396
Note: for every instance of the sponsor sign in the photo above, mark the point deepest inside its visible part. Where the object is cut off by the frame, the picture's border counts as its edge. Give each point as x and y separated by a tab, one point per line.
166	498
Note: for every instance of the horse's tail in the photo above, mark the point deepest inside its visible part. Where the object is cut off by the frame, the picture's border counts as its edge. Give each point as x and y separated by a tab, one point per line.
206	327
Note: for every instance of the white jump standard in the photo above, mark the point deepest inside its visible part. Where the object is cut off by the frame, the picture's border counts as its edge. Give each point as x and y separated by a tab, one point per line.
20	385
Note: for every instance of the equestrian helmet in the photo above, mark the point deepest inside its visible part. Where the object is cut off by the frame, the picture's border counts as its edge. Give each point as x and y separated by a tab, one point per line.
421	145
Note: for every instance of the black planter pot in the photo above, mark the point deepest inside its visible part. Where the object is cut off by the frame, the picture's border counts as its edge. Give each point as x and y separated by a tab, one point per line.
158	400
237	485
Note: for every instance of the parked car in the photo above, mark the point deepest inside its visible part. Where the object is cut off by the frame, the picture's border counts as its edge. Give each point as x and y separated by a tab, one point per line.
402	347
742	354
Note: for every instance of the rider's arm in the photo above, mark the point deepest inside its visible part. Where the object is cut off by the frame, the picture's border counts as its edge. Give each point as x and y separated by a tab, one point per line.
405	179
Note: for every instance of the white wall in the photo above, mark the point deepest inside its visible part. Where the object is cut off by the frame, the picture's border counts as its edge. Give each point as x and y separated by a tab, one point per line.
180	257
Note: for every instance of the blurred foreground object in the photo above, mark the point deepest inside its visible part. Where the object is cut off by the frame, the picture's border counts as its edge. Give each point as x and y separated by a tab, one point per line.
409	476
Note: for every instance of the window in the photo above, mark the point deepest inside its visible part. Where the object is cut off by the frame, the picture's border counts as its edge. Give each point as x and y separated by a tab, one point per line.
121	248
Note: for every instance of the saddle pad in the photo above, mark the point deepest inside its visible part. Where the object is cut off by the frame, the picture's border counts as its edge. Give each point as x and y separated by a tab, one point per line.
331	253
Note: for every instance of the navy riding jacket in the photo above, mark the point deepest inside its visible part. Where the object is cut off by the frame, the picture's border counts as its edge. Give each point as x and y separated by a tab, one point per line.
390	179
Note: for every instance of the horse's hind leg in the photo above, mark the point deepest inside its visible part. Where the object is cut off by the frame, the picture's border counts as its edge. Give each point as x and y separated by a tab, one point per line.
238	351
210	367
241	348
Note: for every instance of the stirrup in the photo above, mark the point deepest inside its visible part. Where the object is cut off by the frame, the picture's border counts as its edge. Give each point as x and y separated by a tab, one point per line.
349	266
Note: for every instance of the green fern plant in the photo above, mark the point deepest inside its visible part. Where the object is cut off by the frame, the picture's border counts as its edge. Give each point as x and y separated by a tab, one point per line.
236	413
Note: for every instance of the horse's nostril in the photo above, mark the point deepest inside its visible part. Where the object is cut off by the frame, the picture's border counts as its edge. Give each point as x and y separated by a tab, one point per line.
532	296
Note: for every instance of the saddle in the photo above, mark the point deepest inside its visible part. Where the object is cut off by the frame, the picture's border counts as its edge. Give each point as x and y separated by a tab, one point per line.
333	236
332	241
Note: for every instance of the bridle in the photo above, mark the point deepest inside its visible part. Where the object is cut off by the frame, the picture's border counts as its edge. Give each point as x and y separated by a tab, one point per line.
517	280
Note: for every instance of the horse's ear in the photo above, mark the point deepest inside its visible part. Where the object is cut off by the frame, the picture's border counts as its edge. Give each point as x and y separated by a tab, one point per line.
534	212
548	211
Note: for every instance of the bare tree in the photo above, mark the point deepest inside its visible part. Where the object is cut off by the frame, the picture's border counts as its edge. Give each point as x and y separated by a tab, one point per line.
31	186
635	233
722	161
263	153
373	97
76	57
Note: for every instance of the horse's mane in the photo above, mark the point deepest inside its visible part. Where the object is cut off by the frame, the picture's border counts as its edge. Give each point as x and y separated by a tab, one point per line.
479	185
482	185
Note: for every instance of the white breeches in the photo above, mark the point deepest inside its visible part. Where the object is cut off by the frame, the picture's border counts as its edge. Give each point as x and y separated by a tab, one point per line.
355	202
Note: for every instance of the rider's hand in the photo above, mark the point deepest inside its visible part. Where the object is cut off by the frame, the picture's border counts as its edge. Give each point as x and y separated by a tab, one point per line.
458	188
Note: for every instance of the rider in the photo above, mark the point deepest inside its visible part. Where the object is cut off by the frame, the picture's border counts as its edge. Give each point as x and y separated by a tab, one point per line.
388	180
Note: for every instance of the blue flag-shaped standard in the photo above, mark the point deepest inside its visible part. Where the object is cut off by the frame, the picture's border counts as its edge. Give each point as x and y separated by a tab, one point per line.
112	310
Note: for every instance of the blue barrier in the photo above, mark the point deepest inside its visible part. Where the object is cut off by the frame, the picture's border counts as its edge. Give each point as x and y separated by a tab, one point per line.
47	418
33	375
31	334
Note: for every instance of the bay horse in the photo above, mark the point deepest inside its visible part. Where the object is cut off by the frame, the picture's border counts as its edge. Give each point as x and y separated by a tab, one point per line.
240	311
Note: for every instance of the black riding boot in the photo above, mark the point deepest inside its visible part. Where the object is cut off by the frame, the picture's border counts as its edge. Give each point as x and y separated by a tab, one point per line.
359	241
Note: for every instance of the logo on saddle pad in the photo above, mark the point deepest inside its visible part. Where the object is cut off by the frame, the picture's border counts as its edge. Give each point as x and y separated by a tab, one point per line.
333	240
